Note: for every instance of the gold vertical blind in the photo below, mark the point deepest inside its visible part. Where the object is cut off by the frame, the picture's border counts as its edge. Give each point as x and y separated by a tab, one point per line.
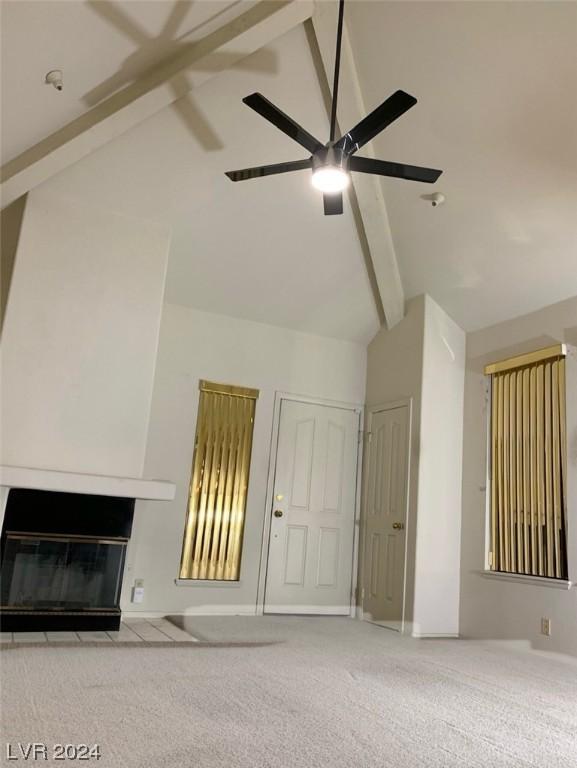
528	455
212	546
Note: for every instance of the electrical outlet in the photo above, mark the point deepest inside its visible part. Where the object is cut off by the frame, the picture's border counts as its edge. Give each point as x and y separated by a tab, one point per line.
546	627
138	591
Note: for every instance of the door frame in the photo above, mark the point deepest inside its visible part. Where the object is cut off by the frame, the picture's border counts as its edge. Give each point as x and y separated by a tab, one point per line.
388	406
359	410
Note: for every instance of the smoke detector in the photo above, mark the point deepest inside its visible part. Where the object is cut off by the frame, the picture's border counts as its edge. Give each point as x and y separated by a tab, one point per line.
436	199
54	78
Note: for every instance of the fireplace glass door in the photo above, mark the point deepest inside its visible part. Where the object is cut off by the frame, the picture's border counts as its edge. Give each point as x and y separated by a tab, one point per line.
61	573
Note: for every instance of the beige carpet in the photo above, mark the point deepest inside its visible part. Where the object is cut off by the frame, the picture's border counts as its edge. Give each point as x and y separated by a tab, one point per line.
324	692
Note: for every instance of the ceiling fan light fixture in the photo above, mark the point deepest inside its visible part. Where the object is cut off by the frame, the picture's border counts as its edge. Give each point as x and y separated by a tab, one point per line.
331	162
330	179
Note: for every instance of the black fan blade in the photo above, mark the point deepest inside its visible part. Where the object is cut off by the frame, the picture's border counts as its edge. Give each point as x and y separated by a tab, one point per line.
396	170
333	203
388	112
283	122
268	170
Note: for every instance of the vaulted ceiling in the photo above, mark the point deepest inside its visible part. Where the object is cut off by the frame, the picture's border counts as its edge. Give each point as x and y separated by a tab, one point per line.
497	90
100	46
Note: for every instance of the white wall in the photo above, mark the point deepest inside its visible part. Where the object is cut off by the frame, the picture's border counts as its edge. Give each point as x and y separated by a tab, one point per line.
499	609
197	345
437	561
10	224
80	338
423	358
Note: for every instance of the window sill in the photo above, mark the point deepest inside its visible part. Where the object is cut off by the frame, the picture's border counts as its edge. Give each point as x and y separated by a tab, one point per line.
206	583
535	581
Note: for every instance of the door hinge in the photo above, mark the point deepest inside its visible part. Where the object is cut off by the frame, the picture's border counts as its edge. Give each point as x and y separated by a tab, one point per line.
362	434
490	558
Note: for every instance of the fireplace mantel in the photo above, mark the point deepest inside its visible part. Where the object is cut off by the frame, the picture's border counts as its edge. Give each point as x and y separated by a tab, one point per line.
74	482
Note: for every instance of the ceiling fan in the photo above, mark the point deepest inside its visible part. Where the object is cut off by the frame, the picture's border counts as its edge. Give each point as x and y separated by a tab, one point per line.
331	162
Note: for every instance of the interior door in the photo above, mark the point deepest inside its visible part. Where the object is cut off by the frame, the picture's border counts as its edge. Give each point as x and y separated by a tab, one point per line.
386	517
313	516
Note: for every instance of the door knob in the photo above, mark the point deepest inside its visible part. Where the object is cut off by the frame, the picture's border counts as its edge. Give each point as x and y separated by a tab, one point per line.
278	513
398	526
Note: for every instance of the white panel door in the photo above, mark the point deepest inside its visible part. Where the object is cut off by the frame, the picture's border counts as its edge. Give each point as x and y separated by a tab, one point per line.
313	514
385	517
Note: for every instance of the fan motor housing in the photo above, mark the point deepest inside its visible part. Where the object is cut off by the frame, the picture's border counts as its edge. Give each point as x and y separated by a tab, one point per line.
331	156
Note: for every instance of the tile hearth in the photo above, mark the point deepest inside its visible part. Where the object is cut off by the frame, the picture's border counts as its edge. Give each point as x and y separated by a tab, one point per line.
132	630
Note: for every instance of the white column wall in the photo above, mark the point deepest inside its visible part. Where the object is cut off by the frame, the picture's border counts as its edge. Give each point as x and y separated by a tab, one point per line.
80	338
437	561
422	358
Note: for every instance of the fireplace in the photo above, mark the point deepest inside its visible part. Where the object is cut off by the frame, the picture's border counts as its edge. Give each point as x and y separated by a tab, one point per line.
62	560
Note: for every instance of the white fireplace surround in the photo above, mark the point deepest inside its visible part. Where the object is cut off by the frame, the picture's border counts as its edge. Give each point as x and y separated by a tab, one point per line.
75	482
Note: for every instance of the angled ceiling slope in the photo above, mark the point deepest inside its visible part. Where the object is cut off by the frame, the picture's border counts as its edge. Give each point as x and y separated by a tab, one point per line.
497	90
263	255
42	135
167	64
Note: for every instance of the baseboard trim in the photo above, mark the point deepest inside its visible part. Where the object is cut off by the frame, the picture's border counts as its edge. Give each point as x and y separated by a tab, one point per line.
435	635
205	610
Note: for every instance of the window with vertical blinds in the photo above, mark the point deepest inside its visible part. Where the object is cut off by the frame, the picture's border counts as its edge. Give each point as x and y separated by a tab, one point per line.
212	546
528	455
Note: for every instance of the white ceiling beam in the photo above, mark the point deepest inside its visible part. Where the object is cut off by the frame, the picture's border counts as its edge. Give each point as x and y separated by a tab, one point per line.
367	189
124	110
